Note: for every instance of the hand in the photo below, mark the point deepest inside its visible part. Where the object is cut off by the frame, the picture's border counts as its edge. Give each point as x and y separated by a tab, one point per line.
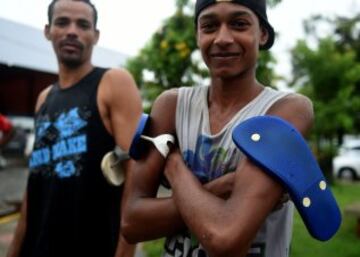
284	199
222	186
174	163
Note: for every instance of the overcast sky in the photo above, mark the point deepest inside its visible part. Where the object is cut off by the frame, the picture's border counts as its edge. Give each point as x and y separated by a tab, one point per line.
127	25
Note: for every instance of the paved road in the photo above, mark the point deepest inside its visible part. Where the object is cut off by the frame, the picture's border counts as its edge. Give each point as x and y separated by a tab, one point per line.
12	182
12	187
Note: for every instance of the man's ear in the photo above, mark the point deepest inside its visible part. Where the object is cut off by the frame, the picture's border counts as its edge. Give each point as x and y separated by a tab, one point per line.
197	37
47	31
97	36
264	36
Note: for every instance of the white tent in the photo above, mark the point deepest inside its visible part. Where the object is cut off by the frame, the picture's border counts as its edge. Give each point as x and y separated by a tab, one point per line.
26	47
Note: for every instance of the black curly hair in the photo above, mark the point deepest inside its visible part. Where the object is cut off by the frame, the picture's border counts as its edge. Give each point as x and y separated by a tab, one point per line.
53	2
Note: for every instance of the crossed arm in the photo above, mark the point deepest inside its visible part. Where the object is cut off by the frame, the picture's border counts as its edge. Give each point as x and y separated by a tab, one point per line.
223	226
146	217
220	223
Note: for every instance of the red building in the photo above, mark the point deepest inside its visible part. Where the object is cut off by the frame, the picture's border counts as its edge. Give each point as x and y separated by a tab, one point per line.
28	65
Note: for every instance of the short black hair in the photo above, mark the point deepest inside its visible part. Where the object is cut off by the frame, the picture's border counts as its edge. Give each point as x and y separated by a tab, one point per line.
257	6
53	2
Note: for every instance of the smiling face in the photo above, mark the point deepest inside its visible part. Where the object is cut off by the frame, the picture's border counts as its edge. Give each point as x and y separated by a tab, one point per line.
229	36
72	32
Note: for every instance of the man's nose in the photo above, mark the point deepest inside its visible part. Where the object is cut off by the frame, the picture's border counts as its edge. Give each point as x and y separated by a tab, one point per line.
72	30
224	36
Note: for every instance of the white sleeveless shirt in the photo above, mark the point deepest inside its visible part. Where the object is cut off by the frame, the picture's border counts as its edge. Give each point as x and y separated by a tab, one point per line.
210	156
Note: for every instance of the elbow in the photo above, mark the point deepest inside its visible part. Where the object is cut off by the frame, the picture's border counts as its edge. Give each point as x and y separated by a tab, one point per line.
221	243
213	241
129	229
127	232
128	223
214	247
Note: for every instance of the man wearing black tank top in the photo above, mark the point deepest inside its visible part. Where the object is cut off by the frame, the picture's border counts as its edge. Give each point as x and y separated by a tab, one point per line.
69	209
213	210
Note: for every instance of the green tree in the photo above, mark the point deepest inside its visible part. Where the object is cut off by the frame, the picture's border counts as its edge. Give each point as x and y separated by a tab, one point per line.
171	59
166	60
347	30
348	34
329	74
329	78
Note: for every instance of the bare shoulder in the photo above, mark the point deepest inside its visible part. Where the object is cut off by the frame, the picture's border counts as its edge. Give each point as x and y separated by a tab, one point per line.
118	73
292	102
42	97
118	79
119	105
163	112
167	98
297	109
118	85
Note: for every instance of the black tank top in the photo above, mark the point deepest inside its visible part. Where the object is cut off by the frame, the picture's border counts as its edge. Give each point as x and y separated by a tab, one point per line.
72	211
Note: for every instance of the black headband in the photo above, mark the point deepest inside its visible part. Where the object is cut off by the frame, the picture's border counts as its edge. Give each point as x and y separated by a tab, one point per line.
257	6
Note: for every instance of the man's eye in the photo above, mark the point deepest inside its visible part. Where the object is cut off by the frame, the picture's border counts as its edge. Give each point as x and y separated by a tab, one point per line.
239	24
61	23
84	25
208	27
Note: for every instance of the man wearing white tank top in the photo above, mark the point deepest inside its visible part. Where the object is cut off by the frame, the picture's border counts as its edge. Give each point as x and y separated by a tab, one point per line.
222	204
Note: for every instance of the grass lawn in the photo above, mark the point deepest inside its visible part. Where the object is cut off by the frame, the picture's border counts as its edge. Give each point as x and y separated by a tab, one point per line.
343	244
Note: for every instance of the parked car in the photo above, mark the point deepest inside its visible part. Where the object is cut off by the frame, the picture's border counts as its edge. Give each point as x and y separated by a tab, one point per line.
346	165
23	140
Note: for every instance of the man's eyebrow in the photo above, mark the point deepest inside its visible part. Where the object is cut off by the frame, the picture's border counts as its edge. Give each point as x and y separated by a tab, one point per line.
61	18
233	14
83	20
240	13
207	16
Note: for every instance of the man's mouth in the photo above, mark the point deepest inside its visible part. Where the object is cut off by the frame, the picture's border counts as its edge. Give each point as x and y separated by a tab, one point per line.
225	55
72	46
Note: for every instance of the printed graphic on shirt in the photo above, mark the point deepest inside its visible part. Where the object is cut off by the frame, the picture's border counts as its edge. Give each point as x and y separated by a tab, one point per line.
208	161
65	169
184	245
69	123
66	142
257	250
41	129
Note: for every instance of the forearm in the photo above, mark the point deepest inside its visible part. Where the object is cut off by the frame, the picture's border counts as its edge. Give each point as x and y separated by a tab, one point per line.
202	211
222	186
150	218
224	227
145	217
124	249
16	244
200	208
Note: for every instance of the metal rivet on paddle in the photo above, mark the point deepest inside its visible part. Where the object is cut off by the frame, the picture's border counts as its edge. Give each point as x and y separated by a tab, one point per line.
306	202
322	185
283	153
255	137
